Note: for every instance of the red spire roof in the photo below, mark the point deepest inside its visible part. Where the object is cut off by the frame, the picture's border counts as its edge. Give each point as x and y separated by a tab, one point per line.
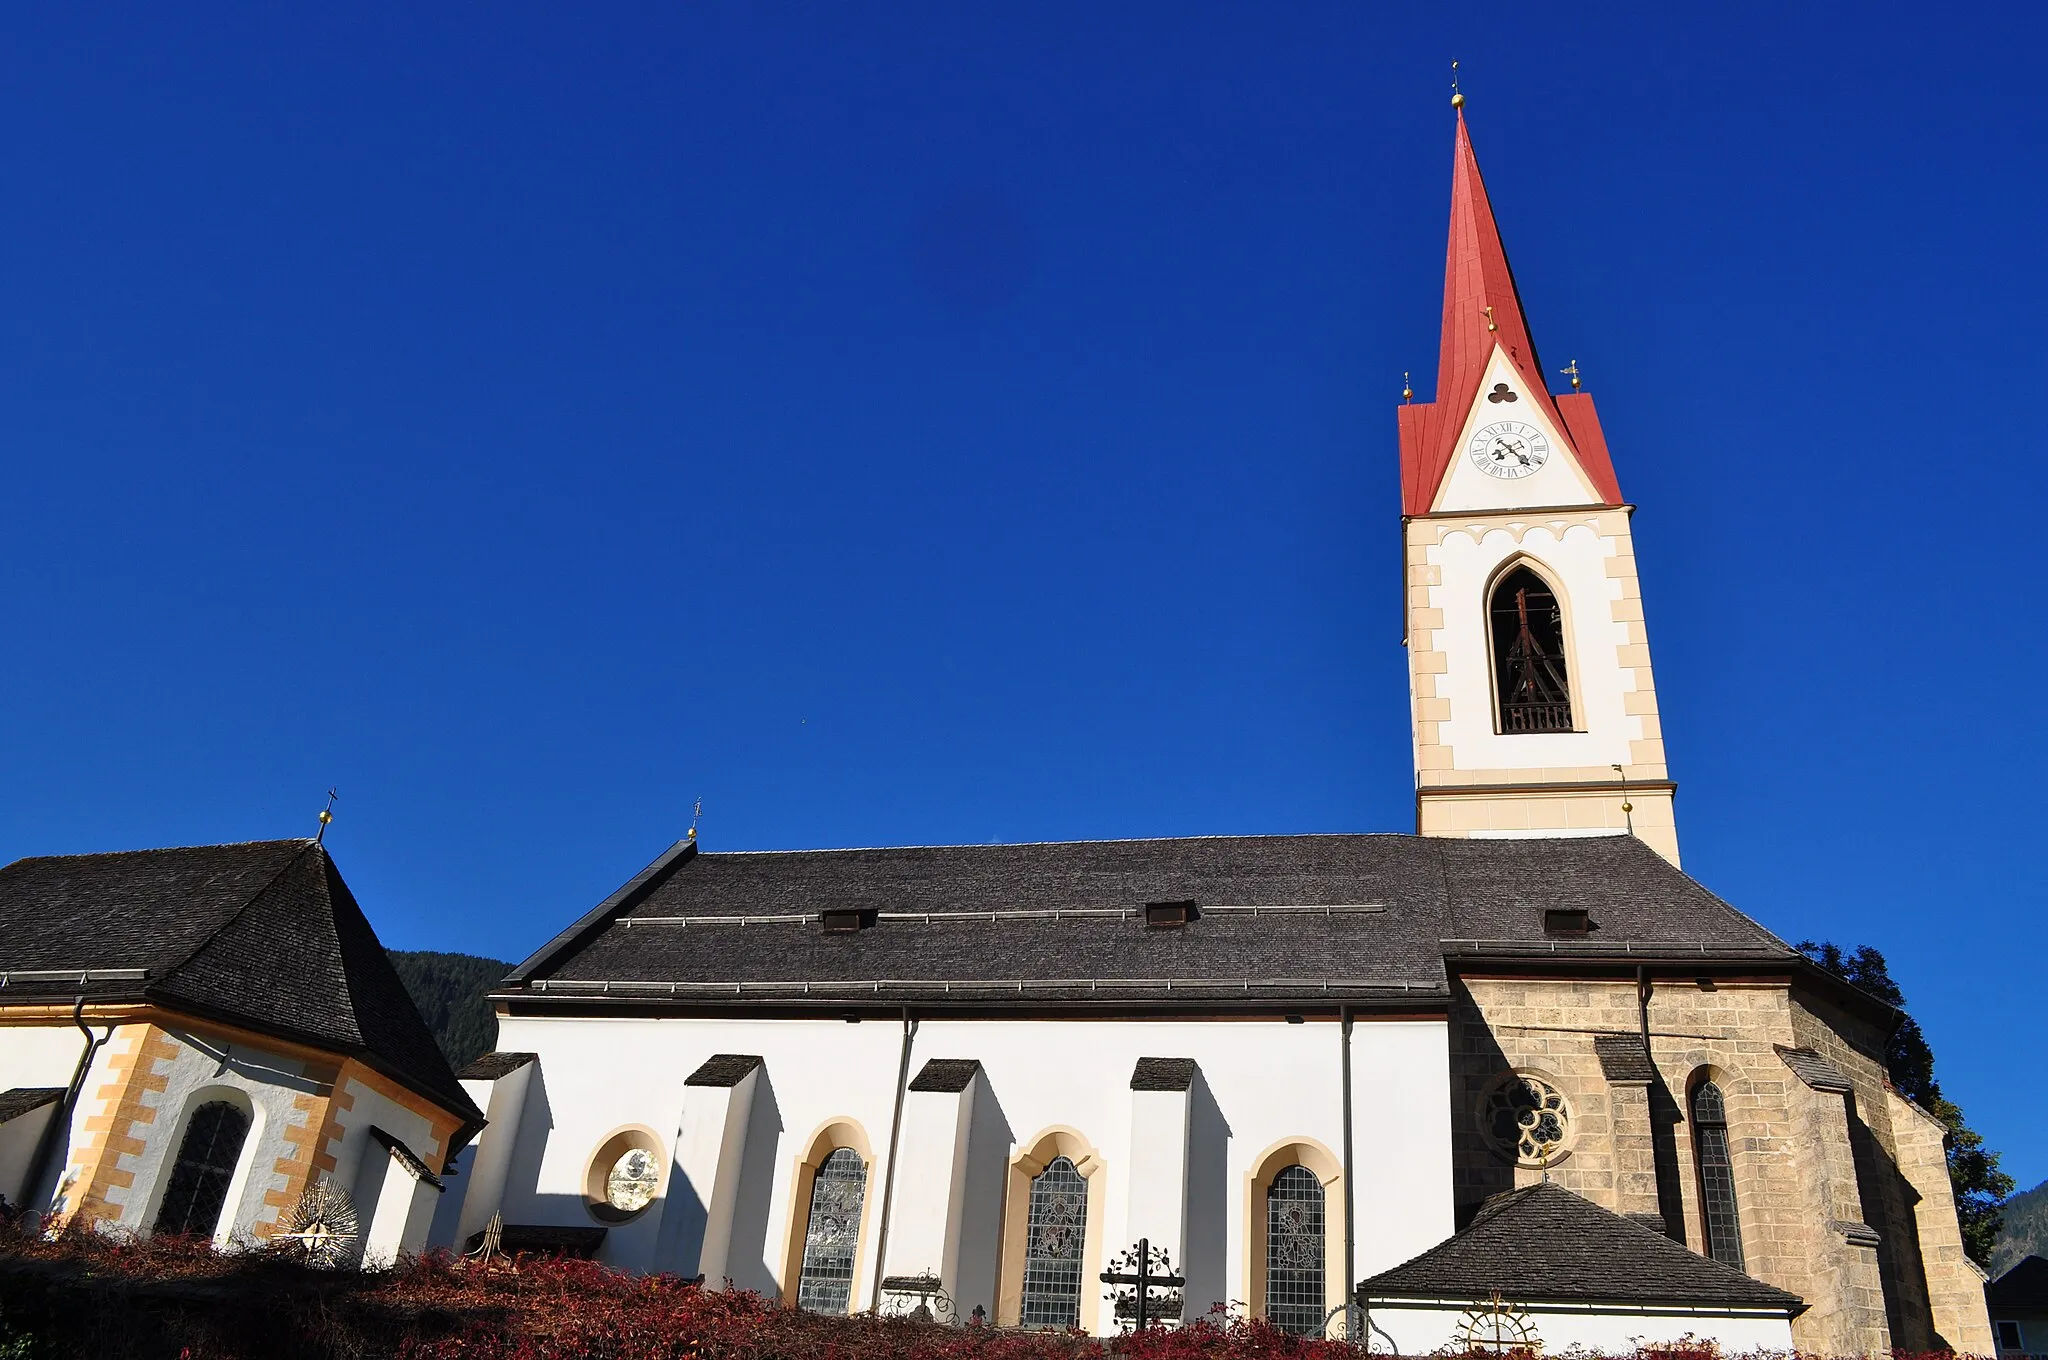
1476	279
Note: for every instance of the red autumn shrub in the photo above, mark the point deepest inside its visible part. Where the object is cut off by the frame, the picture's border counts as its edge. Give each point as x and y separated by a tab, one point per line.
173	1299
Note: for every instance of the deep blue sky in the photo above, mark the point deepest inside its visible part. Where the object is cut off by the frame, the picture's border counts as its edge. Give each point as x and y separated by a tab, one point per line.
929	423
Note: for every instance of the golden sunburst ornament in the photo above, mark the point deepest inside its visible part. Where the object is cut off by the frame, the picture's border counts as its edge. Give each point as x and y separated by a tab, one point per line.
323	1224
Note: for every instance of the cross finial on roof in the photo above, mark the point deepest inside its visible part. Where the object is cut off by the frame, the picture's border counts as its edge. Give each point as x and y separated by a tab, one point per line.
1457	98
696	814
1571	370
1407	388
326	816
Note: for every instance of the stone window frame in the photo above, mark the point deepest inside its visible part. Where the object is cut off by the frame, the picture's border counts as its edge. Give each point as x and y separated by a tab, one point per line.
840	1131
1512	1156
1325	1166
1034	1157
1723	1083
1574	671
614	1145
245	1158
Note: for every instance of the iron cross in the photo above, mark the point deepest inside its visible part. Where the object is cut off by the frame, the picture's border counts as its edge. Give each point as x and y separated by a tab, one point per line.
1144	1278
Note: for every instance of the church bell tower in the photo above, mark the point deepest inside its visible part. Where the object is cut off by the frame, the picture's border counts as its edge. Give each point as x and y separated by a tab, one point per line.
1534	707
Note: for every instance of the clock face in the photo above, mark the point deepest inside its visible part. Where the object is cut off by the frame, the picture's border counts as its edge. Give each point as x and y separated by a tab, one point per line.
1509	448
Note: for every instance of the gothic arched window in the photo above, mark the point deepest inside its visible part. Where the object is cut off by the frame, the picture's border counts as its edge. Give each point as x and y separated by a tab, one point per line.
1529	654
206	1162
831	1233
1294	1252
1717	1174
1052	1247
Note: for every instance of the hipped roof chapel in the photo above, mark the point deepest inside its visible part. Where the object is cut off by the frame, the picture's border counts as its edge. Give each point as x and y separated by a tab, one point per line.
1514	1079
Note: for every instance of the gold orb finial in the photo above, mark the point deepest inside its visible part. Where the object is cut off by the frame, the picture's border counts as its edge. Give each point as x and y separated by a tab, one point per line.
1457	96
1457	101
1407	389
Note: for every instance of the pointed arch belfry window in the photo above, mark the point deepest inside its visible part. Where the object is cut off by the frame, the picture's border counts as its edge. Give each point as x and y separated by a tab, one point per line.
1717	1174
1530	676
203	1169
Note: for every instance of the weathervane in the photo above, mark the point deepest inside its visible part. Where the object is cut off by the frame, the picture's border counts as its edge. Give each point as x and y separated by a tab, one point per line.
696	815
1571	370
326	816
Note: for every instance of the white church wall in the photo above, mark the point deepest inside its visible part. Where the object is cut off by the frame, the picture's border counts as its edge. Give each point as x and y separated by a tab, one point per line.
40	1055
19	1138
1427	1328
1574	554
266	1083
1261	1082
478	1188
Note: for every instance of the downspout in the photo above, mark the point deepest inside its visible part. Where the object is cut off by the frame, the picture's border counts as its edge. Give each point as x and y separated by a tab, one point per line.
1350	1180
889	1168
61	1120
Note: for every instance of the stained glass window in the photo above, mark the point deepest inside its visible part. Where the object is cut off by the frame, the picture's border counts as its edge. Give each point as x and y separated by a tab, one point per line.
633	1180
1053	1238
1526	1118
1294	1252
1717	1174
205	1164
825	1284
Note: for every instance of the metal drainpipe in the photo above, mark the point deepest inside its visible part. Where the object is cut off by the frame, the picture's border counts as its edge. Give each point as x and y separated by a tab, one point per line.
61	1120
1350	1180
889	1169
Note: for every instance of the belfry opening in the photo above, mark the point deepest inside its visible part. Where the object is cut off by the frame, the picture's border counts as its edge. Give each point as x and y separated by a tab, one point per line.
1529	657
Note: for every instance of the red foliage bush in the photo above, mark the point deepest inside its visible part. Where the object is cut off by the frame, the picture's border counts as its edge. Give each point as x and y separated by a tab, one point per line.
171	1299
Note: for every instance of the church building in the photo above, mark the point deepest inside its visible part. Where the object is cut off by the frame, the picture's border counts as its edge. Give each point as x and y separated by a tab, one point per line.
1515	1078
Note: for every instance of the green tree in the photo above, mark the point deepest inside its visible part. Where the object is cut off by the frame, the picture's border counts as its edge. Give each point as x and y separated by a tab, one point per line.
1981	1188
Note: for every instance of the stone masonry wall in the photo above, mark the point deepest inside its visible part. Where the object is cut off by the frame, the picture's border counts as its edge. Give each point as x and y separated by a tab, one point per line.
1800	1177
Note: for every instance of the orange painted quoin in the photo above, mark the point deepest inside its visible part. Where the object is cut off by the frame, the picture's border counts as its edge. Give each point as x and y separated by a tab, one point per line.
1483	312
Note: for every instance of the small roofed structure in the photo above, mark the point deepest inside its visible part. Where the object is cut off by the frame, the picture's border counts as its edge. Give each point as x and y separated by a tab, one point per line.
1543	1268
2018	1300
199	1037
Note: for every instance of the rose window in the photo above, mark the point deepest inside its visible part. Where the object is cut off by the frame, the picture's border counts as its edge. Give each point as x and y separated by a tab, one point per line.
1525	1117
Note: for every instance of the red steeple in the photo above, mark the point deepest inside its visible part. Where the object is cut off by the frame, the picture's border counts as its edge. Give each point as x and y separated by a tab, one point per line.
1482	310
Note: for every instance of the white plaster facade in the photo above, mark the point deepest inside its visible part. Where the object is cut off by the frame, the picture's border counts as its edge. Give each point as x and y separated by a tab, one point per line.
121	1137
1176	1167
1609	1329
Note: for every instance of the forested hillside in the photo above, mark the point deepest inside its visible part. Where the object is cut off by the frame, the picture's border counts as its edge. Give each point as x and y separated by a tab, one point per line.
449	989
2025	1232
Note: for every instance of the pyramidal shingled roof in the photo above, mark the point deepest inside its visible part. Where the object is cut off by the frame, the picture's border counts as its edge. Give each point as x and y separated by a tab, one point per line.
1544	1244
264	934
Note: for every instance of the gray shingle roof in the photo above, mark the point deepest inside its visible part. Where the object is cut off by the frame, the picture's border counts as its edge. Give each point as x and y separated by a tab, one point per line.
2022	1289
19	1100
950	1075
1816	1071
1624	1058
1366	919
263	934
1544	1244
495	1066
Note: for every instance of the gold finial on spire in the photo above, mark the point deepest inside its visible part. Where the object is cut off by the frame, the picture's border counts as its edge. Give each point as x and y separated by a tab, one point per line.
1407	388
1489	320
696	815
1457	96
1571	370
326	816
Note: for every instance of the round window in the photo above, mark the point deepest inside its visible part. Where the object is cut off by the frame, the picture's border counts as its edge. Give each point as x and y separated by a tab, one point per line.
633	1180
1525	1118
624	1175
